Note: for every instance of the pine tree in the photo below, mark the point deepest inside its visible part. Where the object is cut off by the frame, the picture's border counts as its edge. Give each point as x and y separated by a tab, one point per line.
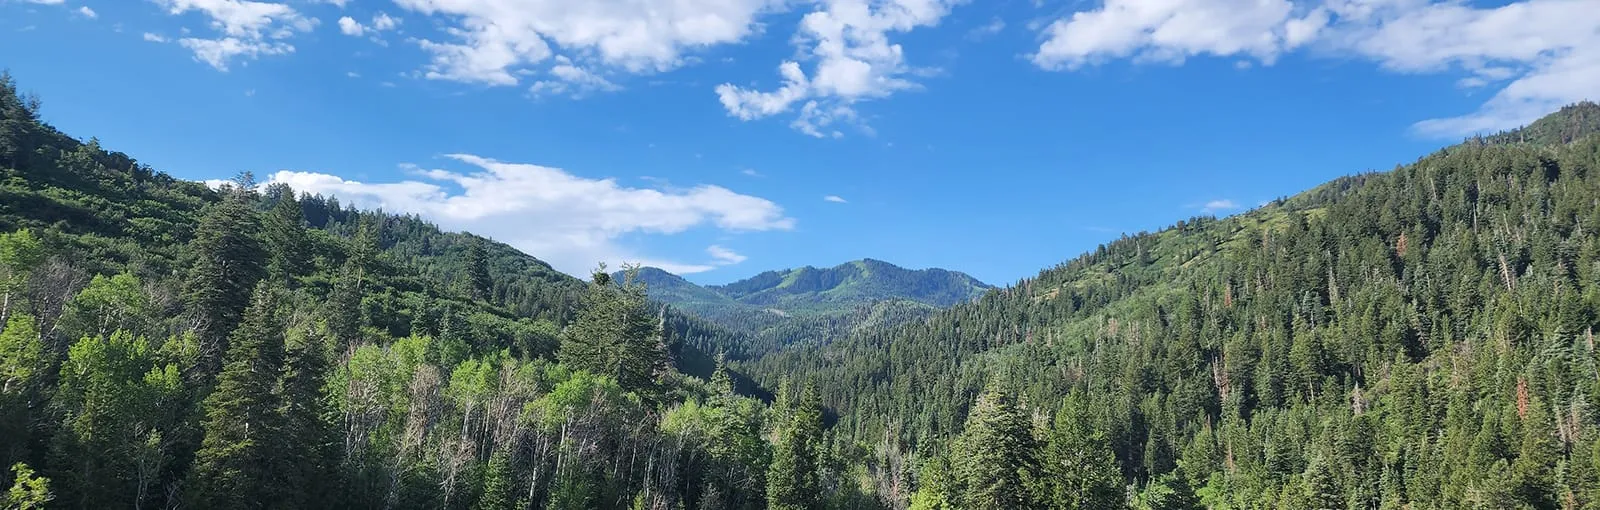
1321	489
304	451
793	481
227	264
1080	471
997	454
616	335
283	230
496	483
233	468
479	286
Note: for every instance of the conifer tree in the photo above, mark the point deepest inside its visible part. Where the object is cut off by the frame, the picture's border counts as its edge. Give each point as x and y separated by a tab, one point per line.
496	482
616	334
479	286
233	468
283	230
227	264
1080	471
304	451
997	456
793	481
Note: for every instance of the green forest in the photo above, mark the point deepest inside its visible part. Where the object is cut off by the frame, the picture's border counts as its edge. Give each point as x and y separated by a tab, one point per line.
1421	338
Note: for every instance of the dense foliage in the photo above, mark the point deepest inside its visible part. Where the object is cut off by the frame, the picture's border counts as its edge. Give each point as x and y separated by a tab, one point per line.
166	345
1421	338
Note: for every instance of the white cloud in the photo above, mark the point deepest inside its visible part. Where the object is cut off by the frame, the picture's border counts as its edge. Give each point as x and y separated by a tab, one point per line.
336	3
45	2
380	23
834	198
158	38
1172	30
493	41
1219	206
848	42
383	22
724	255
248	29
751	172
86	12
568	220
218	52
1546	53
349	26
571	80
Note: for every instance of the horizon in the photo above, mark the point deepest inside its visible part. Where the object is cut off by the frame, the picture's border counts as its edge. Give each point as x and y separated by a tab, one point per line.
992	139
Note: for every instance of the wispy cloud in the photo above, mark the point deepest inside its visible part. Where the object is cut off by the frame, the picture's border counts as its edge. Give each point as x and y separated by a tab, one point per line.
835	199
752	172
724	255
1219	205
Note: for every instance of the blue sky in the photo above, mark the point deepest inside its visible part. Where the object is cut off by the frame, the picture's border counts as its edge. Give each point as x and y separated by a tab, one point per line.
720	138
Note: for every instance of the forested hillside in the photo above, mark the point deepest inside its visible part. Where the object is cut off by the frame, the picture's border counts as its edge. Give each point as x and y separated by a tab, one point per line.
166	345
1420	338
775	309
1413	339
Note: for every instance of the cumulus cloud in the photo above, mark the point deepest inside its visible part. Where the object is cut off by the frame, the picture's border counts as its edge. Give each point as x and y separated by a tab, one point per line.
1540	53
852	60
247	29
495	42
380	23
157	38
833	198
86	12
570	221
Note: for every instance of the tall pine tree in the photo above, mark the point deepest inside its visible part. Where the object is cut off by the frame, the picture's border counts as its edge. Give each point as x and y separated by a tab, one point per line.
793	480
234	466
997	453
227	264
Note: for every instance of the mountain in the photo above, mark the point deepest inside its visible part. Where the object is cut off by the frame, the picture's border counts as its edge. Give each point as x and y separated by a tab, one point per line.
853	283
1419	338
779	308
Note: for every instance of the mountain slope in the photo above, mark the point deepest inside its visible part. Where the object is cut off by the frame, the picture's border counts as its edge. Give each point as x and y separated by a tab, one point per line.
851	283
1409	338
779	308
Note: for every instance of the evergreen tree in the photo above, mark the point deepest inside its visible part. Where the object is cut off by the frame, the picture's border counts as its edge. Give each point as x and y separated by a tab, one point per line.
479	286
227	264
616	335
235	463
496	494
284	235
793	479
304	451
997	456
1080	471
